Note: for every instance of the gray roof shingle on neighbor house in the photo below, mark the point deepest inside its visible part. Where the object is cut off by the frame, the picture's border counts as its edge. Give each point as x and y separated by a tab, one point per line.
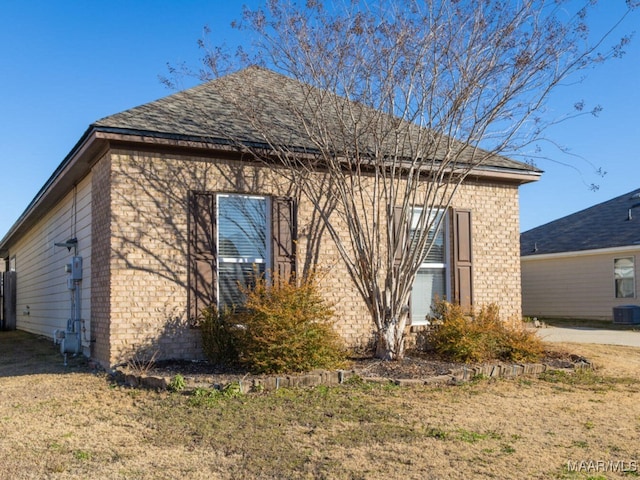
606	225
210	113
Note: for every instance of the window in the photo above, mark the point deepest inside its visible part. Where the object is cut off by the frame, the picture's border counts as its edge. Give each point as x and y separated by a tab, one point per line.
242	244
431	280
232	237
624	275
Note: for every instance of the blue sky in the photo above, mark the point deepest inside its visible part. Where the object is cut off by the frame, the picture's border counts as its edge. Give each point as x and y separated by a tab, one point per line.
66	64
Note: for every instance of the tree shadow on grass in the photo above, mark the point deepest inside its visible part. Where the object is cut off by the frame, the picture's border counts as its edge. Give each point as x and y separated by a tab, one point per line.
23	353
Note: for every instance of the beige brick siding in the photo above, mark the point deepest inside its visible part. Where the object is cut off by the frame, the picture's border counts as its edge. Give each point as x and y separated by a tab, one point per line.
100	261
147	267
496	244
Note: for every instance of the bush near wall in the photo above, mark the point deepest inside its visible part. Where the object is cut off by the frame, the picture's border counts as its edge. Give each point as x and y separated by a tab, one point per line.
283	327
220	336
481	336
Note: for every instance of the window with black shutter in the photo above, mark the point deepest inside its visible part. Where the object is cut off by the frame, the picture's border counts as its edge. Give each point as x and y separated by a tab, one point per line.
233	238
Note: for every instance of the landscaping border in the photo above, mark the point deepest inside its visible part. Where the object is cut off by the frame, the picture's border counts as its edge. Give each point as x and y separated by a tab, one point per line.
337	377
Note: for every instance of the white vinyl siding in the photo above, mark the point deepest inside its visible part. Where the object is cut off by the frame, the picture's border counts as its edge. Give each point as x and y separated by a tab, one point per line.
571	286
41	276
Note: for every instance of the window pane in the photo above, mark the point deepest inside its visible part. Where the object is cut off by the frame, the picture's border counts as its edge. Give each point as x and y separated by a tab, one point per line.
436	254
428	286
623	270
231	276
242	245
242	227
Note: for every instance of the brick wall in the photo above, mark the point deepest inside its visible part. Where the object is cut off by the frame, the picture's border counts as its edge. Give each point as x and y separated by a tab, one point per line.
148	259
100	260
496	244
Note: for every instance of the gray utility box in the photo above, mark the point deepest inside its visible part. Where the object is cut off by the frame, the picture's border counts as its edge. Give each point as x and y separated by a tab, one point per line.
626	314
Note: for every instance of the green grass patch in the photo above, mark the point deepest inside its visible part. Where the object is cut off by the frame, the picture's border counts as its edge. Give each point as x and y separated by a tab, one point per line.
584	378
473	437
81	455
264	427
577	322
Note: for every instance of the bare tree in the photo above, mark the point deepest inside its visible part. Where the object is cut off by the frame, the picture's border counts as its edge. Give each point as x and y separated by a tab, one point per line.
398	103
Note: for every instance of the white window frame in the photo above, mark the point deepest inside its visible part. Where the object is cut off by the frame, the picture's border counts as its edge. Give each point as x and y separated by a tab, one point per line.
616	277
243	260
445	266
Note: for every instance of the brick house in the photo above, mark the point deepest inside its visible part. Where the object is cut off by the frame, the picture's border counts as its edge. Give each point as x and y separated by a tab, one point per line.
166	216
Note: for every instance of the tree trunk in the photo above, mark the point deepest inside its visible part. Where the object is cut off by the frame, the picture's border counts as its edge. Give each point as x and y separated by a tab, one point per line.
390	338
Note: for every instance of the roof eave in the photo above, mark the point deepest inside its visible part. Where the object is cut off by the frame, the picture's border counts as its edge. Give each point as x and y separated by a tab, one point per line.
71	170
622	249
96	139
520	176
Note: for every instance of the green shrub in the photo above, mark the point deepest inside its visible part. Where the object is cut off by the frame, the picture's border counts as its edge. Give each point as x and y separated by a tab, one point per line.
219	336
177	383
209	397
287	327
481	337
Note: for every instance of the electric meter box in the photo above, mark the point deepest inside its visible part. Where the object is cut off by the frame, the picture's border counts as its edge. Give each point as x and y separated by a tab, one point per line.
76	268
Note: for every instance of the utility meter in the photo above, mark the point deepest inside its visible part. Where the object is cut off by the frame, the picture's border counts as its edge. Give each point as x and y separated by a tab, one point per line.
76	268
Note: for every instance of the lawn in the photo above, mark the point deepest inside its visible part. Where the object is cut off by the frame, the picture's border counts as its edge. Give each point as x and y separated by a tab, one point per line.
69	422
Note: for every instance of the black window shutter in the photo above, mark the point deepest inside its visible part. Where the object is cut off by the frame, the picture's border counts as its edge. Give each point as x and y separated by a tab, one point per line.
284	231
462	259
202	253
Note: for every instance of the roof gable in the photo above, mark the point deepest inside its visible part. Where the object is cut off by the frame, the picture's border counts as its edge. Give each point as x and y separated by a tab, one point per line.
203	115
206	113
605	225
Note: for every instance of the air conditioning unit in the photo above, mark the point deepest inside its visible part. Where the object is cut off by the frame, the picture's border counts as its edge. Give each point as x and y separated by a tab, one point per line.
626	314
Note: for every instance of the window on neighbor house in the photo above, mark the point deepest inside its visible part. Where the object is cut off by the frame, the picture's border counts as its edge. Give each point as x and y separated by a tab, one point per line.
431	280
243	229
624	275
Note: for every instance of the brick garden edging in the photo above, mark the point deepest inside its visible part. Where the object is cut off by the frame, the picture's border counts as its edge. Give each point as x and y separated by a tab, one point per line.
338	377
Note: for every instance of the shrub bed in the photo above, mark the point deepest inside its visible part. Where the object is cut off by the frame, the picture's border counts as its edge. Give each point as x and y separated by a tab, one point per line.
481	336
284	326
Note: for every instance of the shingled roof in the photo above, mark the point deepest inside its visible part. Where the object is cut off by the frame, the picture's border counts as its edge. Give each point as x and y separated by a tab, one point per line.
606	225
208	115
205	113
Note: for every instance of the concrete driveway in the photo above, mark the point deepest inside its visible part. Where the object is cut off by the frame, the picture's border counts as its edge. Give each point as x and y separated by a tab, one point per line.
590	335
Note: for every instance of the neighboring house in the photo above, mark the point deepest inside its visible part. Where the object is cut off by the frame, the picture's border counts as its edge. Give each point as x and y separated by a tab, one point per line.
155	214
585	264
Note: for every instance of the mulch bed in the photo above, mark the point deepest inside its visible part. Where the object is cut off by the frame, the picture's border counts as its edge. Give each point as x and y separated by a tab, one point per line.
411	367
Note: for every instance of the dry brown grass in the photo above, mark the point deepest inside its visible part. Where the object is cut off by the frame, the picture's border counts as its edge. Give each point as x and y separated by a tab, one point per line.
70	423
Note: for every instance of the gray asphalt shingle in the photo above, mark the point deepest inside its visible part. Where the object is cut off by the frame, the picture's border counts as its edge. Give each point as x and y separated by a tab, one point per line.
206	113
605	225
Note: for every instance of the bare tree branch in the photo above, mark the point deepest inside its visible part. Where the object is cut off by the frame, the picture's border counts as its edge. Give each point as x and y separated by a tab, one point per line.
394	105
